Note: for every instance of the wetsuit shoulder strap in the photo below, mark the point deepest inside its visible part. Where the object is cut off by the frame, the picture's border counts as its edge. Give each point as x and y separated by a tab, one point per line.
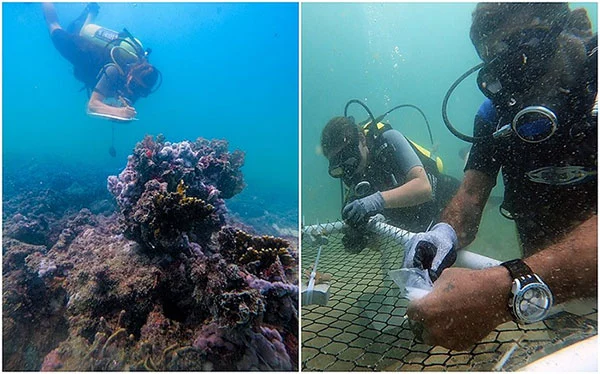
373	132
105	67
373	135
429	164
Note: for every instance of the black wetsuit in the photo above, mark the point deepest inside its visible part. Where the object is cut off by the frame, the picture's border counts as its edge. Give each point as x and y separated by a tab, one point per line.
538	194
388	167
89	60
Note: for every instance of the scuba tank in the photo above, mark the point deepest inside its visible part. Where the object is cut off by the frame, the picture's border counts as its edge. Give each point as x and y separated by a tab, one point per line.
104	37
123	48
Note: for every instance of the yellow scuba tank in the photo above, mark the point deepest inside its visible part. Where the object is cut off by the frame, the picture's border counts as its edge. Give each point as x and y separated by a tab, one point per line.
102	37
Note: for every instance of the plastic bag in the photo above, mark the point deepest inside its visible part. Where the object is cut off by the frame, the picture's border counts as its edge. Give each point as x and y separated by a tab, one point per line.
414	283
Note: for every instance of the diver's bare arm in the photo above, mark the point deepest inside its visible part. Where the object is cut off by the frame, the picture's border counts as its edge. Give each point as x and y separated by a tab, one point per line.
417	190
96	105
464	211
570	266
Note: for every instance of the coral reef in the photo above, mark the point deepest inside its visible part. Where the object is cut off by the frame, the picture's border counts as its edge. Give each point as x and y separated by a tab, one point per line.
33	310
258	253
168	283
208	170
166	221
40	196
166	187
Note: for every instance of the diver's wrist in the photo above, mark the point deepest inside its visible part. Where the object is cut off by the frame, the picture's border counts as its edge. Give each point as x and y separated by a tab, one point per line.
500	281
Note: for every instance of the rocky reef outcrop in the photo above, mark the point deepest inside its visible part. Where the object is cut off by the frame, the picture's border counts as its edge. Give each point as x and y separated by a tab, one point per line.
167	283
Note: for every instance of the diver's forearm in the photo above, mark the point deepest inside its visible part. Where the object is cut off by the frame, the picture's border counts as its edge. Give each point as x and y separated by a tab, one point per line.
413	192
570	266
465	209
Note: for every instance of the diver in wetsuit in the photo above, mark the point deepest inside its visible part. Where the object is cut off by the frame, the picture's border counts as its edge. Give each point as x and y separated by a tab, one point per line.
539	126
113	66
385	173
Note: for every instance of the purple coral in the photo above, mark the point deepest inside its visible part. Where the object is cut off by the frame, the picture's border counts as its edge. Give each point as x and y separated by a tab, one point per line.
166	284
257	350
47	268
161	177
206	167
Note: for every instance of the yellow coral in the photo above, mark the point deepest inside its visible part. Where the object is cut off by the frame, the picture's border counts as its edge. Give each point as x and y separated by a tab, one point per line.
181	188
262	248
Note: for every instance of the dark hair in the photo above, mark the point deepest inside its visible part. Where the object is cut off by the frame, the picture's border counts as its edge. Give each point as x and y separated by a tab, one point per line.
145	77
488	17
338	132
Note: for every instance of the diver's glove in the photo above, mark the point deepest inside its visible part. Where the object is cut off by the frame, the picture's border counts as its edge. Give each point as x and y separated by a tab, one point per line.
359	210
434	250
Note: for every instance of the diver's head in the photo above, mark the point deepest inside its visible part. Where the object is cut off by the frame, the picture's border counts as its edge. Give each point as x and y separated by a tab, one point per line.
497	27
344	146
142	79
517	42
539	67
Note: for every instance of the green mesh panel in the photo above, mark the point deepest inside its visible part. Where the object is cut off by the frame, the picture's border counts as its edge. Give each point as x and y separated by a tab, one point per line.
363	328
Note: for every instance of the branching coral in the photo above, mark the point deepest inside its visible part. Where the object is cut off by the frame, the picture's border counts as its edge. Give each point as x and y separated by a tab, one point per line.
259	251
163	218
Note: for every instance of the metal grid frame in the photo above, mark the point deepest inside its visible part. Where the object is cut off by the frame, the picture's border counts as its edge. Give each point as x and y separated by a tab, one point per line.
363	328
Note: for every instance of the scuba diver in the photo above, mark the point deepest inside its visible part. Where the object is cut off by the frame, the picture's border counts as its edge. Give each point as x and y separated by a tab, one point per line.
384	172
539	126
113	66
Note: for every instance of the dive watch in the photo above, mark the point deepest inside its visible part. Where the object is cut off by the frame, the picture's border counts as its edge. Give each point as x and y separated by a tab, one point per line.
531	299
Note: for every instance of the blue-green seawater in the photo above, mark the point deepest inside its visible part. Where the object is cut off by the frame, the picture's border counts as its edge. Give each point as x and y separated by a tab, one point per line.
230	71
387	54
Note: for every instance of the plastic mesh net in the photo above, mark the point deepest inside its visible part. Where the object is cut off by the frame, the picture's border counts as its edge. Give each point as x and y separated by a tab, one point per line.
363	328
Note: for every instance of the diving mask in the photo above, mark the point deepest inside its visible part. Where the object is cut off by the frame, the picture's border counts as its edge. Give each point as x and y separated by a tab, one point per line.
345	162
520	60
533	124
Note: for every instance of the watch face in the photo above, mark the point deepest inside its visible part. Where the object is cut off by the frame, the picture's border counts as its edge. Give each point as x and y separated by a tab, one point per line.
532	303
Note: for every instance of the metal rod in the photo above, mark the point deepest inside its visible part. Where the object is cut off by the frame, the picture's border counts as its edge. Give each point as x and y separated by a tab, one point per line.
311	281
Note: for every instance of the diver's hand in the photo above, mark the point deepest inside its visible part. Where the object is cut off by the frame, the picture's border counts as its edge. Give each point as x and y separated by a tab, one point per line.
126	112
434	250
357	211
463	307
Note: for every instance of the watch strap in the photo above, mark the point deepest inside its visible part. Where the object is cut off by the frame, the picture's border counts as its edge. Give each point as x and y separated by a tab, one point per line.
517	268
